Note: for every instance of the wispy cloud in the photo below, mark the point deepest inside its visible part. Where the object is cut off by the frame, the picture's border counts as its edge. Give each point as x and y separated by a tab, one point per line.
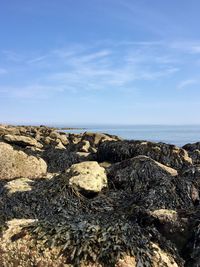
105	69
37	59
187	83
190	47
85	68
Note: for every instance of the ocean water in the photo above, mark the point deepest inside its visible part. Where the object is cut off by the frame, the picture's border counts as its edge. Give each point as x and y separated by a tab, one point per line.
178	135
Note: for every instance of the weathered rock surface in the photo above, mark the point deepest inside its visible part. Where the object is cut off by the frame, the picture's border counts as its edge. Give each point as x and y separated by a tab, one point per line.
84	146
193	151
19	185
95	139
104	202
152	184
18	248
168	155
15	163
21	140
60	159
87	176
192	147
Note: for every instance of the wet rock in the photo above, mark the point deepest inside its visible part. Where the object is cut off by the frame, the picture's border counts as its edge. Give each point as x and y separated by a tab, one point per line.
15	163
162	258
168	155
195	156
142	168
17	248
193	151
96	138
60	159
75	138
22	141
87	176
192	174
192	147
138	207
174	226
84	146
153	185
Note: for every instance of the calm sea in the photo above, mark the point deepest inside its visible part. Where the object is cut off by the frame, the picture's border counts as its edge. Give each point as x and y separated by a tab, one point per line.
178	135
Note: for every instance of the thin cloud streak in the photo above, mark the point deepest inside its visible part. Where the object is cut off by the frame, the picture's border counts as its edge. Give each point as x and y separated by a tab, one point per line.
94	67
187	83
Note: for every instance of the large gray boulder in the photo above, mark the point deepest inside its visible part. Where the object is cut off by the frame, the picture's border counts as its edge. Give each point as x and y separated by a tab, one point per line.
87	176
15	163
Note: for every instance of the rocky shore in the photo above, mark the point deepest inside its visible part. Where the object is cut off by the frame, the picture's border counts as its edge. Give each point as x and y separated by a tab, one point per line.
96	200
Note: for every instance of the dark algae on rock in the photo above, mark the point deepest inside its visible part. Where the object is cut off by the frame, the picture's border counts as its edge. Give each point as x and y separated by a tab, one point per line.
96	200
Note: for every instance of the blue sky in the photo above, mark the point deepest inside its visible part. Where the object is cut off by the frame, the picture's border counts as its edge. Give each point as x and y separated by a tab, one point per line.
100	61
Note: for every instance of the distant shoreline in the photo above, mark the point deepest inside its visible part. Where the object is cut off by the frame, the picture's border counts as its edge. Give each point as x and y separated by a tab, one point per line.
47	126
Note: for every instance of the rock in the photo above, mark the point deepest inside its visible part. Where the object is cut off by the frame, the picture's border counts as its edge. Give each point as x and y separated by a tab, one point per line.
47	140
172	225
159	259
139	206
162	258
75	138
84	146
15	163
17	248
96	138
192	174
87	176
165	215
127	261
59	145
63	138
38	137
8	130
84	156
152	185
142	167
19	185
60	159
193	151
195	156
192	249
105	164
168	155
54	135
192	147
21	140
